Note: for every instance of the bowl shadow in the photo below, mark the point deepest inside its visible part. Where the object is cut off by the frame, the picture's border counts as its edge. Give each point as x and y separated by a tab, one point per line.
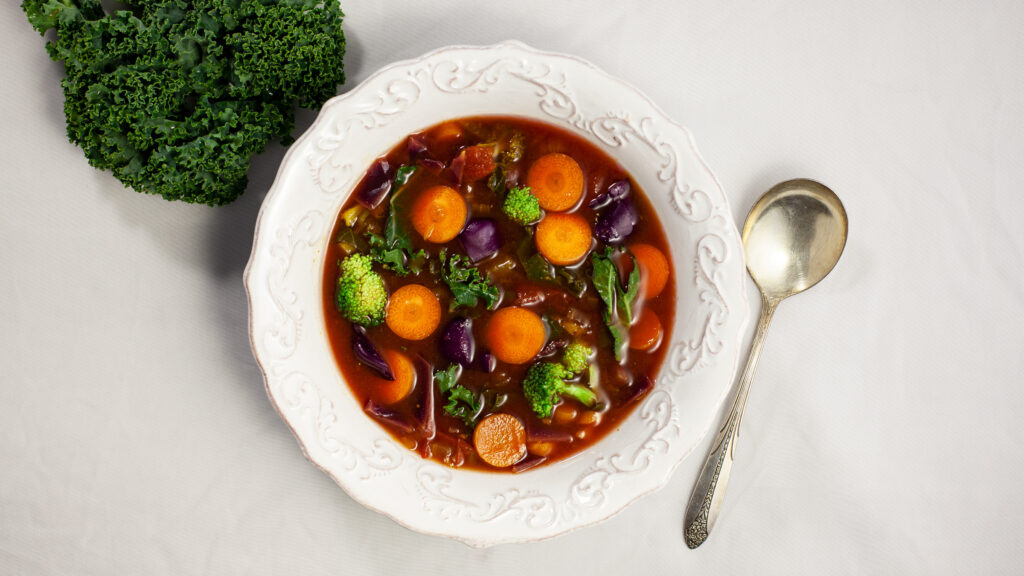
230	232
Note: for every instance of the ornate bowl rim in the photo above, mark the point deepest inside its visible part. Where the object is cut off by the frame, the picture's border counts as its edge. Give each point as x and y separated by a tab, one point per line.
282	280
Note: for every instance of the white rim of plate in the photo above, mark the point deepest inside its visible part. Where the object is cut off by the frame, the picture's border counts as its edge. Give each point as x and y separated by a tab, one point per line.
283	285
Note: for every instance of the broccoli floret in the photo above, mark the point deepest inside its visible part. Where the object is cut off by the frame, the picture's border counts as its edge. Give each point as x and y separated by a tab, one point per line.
521	206
175	97
546	381
361	296
576	357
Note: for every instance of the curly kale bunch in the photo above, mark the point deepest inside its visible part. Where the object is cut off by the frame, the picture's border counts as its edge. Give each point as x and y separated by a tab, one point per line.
175	96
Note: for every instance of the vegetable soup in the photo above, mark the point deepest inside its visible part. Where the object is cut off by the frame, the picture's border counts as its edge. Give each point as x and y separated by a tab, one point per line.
497	293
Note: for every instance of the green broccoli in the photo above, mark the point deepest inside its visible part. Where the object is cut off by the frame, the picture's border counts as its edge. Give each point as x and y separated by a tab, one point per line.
546	381
522	206
576	357
175	97
361	296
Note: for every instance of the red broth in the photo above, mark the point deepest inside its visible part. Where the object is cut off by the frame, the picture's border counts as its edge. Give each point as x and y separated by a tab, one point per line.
419	418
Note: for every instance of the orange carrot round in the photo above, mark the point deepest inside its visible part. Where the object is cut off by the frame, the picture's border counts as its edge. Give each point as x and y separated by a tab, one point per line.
556	180
500	440
515	335
392	391
646	333
653	268
413	312
563	238
439	214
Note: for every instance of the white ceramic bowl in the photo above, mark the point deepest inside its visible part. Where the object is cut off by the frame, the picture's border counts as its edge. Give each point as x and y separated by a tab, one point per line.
283	280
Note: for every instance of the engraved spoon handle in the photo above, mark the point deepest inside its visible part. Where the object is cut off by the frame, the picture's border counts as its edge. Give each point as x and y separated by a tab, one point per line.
706	500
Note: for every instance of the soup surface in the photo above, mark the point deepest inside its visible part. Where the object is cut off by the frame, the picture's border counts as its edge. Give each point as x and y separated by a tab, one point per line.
497	293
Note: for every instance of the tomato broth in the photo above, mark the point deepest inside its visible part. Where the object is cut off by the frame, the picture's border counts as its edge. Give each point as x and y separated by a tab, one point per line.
446	385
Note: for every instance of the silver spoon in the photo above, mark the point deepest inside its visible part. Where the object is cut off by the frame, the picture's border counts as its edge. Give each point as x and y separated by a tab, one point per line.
792	238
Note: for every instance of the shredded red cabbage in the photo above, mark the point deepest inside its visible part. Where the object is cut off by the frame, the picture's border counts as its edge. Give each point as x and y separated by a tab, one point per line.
376	185
368	354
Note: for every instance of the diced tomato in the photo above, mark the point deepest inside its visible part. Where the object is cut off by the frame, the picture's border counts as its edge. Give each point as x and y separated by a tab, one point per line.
479	162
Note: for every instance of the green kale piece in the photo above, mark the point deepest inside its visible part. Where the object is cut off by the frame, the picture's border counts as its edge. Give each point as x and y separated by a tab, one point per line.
462	402
618	311
394	250
468	286
511	152
175	97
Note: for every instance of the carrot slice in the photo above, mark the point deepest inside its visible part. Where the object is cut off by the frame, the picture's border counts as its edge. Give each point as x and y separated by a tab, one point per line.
447	133
392	391
653	268
500	440
563	238
515	335
439	214
646	333
556	180
413	312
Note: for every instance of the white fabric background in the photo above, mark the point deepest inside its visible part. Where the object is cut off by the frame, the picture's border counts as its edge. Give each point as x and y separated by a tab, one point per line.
883	432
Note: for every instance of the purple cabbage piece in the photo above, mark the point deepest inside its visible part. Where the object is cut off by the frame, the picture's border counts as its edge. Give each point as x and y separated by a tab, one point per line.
480	239
415	147
368	354
433	164
428	424
417	150
553	346
388	416
616	223
487	362
616	191
527	463
376	186
457	341
455	168
637	389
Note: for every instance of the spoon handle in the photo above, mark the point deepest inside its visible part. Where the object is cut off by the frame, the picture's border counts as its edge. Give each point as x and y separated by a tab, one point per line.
706	500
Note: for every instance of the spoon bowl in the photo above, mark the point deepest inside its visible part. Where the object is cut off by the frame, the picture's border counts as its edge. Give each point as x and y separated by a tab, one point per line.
792	238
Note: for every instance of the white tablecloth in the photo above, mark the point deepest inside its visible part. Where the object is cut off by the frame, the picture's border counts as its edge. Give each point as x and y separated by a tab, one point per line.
883	432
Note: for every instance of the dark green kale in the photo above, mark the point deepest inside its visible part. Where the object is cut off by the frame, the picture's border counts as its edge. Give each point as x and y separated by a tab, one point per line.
175	97
511	152
537	268
618	302
468	286
462	402
627	297
394	250
402	176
